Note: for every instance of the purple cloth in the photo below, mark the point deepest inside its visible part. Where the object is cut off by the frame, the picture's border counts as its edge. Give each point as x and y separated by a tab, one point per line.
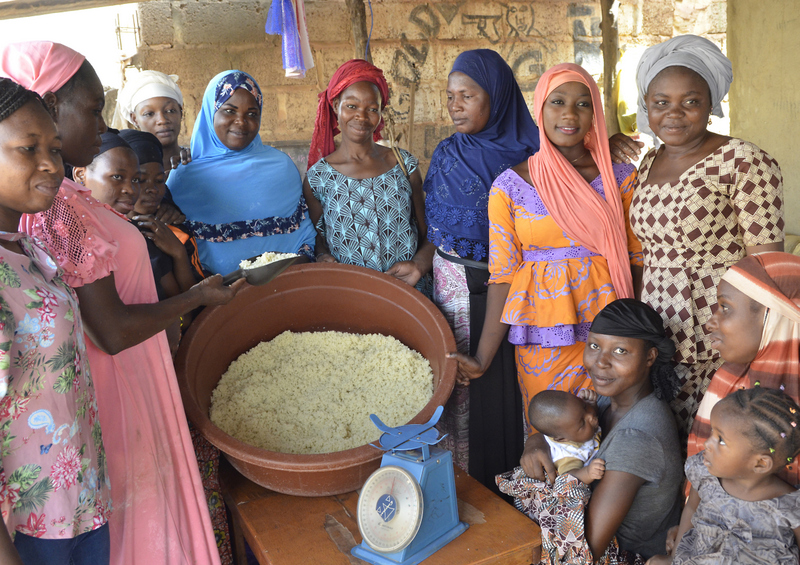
557	253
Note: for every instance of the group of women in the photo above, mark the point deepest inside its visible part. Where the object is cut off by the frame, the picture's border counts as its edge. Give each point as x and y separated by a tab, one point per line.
520	234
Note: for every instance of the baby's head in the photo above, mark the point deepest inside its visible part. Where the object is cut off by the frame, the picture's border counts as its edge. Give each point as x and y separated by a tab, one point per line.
753	431
563	416
113	175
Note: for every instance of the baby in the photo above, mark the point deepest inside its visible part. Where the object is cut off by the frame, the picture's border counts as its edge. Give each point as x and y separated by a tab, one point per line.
570	426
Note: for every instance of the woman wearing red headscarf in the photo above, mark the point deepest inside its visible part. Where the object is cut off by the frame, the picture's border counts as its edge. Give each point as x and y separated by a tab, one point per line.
366	203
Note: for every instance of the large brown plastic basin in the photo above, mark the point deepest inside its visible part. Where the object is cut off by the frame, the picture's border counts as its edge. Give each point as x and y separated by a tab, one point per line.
312	297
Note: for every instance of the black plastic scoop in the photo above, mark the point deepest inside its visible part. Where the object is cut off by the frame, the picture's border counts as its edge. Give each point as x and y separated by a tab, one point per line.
258	276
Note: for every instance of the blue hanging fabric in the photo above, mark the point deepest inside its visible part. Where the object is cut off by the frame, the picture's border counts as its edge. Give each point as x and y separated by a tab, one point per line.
288	21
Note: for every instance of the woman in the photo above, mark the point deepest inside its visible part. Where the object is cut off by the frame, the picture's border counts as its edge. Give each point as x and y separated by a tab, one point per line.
52	461
241	197
702	201
494	130
560	248
367	206
627	356
756	329
153	102
160	514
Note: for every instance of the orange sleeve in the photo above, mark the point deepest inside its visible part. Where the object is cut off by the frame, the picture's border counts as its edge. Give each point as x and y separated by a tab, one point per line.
505	253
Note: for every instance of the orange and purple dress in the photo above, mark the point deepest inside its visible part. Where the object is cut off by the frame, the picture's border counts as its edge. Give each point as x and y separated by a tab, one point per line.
557	285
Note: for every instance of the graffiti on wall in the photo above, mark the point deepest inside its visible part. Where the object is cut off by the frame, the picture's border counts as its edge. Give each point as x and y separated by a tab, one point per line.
509	28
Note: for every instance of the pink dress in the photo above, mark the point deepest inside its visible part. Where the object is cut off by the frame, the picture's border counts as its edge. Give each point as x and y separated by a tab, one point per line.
160	515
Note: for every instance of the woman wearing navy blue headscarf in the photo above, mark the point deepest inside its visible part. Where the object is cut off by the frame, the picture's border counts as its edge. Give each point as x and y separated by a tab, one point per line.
241	197
494	131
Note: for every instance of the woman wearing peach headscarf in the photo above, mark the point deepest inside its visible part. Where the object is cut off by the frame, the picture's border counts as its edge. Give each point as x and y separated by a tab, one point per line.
560	245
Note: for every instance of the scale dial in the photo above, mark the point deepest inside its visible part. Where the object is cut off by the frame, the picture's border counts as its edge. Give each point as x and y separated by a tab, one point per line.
389	509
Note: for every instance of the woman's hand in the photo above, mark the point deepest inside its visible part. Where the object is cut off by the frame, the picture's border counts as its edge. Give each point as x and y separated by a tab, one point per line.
211	291
326	258
169	214
469	368
624	149
407	271
536	460
184	159
159	232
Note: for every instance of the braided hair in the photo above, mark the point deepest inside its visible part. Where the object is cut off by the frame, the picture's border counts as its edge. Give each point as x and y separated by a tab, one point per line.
773	418
13	97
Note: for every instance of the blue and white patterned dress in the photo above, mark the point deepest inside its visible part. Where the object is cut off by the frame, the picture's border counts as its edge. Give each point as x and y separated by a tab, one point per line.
368	222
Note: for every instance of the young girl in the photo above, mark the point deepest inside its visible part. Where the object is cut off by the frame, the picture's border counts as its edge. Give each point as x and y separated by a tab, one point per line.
738	510
173	255
368	208
54	491
561	247
113	175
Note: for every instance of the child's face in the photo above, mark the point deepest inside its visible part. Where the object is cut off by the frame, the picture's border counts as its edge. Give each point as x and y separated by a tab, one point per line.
578	421
113	179
160	116
728	453
735	327
152	187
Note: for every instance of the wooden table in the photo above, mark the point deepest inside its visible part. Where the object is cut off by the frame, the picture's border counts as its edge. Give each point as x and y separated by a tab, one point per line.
296	530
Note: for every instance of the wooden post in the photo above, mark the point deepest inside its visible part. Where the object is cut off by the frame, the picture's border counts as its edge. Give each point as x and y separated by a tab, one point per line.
610	48
358	23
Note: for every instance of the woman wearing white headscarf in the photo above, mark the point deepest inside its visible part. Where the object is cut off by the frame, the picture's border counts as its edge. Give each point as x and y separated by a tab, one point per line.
702	201
152	102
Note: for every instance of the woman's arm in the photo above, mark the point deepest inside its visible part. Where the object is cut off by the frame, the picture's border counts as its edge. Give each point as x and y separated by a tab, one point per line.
610	503
494	331
422	261
115	326
8	555
315	213
776	246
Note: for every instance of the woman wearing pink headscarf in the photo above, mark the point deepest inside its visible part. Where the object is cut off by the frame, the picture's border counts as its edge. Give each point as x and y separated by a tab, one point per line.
159	515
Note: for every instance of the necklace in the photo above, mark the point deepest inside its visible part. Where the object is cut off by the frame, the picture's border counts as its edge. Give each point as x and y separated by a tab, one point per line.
579	157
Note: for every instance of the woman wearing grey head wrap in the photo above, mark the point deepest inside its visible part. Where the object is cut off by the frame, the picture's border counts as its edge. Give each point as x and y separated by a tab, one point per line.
702	201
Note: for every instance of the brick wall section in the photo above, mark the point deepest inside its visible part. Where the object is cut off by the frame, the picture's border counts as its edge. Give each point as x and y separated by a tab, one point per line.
414	42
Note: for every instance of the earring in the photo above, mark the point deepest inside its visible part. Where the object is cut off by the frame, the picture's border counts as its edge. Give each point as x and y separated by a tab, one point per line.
709	121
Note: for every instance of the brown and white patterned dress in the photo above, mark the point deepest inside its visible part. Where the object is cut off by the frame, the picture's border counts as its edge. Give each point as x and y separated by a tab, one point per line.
691	232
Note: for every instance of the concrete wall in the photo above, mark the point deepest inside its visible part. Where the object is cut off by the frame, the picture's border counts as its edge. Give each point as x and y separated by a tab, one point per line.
764	45
414	42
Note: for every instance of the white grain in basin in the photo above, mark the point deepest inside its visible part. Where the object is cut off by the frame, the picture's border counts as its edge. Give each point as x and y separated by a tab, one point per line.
264	259
313	392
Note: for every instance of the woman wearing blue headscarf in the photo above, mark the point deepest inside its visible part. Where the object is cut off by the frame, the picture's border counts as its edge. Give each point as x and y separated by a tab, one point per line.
241	197
494	131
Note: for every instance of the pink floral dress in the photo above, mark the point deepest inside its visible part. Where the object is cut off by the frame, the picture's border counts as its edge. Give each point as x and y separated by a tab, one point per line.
160	513
53	479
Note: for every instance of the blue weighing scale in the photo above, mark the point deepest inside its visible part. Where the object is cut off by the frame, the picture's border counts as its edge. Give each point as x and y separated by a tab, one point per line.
407	509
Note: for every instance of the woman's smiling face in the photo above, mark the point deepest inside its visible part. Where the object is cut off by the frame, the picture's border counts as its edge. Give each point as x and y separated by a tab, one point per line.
238	120
618	364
